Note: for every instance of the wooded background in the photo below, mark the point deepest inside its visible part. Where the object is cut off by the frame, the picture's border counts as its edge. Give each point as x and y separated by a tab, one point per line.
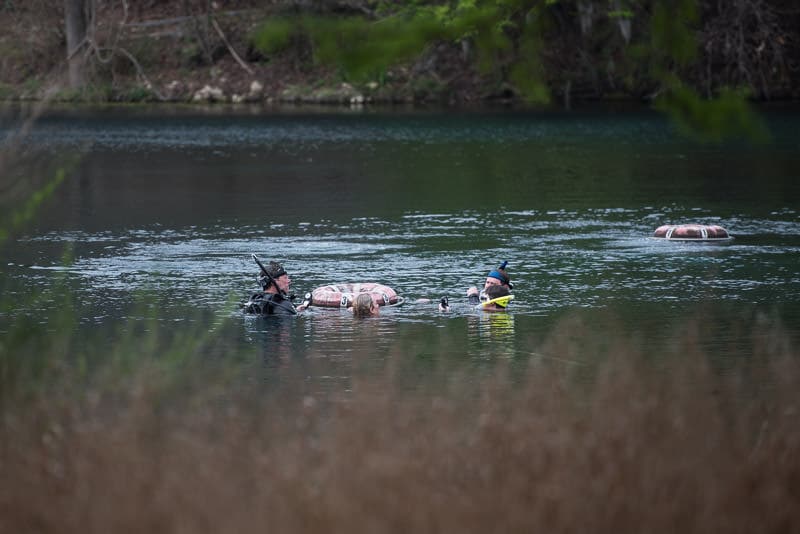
695	58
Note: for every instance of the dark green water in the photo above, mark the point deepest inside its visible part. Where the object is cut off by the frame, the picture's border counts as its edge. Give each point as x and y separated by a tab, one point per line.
173	204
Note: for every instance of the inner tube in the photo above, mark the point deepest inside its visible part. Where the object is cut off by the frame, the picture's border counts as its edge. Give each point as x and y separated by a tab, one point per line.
692	232
343	295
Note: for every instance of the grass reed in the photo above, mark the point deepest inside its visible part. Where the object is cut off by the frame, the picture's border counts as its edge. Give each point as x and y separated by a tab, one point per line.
636	448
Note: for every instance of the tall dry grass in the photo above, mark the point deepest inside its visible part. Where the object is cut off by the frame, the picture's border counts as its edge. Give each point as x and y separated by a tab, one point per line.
638	447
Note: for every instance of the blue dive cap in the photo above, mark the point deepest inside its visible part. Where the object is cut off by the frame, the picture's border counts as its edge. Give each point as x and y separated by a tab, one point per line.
501	275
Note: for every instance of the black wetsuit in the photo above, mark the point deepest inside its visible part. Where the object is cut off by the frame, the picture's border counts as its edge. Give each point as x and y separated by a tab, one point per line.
269	304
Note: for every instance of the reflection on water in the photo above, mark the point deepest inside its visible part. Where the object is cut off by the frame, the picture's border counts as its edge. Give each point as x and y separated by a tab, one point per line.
494	333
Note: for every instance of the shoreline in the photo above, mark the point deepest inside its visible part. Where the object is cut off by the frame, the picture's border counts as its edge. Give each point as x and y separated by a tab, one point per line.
322	107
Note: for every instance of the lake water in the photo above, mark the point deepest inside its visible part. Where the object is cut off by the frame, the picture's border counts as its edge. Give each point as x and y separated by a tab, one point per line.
172	204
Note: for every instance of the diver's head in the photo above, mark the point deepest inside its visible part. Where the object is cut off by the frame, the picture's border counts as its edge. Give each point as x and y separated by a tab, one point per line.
494	292
364	306
498	277
279	275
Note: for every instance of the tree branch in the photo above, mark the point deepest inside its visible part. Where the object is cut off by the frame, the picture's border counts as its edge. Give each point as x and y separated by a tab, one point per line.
141	73
230	48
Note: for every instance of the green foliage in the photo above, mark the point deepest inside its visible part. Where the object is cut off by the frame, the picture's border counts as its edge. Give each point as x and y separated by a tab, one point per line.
32	85
31	353
137	94
365	49
68	94
488	31
191	55
273	35
674	46
28	352
427	88
43	350
107	92
95	92
729	116
29	208
6	91
620	14
672	33
527	73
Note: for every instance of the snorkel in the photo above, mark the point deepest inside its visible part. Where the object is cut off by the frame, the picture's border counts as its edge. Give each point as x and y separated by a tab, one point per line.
502	302
500	274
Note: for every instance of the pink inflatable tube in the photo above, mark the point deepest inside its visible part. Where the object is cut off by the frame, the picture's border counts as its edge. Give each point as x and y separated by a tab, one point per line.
692	232
343	295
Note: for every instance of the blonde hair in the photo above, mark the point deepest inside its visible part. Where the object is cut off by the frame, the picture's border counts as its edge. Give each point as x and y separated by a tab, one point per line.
363	305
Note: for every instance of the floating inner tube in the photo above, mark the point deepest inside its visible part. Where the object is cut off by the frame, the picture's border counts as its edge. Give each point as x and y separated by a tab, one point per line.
692	232
343	295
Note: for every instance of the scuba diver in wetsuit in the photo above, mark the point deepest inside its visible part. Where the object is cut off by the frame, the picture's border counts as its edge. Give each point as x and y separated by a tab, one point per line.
496	277
273	300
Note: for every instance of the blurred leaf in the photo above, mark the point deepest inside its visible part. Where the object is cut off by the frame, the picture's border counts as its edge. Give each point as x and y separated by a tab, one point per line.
527	74
30	207
672	31
273	35
729	116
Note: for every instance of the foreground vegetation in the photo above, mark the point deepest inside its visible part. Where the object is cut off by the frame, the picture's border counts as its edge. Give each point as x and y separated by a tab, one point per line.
161	438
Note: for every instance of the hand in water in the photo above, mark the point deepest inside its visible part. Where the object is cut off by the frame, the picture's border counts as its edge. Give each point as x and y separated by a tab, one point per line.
307	298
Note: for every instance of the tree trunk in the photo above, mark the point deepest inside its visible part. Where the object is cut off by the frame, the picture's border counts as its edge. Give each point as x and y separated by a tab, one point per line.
75	26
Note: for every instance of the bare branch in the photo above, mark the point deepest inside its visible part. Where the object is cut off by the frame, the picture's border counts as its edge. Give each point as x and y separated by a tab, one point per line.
141	73
230	48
